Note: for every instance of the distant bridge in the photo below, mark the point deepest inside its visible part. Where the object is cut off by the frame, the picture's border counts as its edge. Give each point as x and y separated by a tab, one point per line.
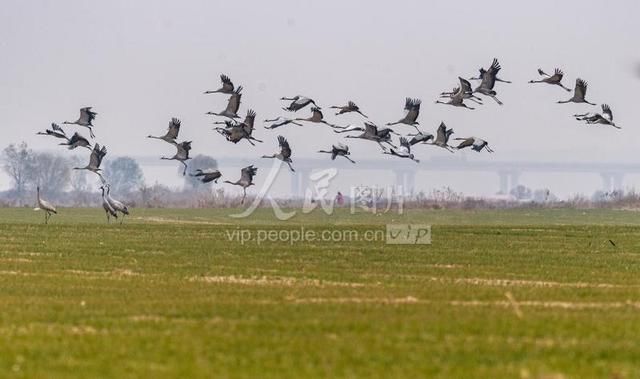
508	172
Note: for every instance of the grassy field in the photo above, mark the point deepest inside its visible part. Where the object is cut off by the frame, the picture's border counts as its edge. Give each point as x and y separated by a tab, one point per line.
498	294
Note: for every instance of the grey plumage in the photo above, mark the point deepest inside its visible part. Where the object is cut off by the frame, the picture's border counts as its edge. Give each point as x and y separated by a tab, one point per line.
182	154
298	102
227	86
411	113
97	154
403	152
246	180
371	132
284	154
555	79
233	105
172	132
339	150
86	119
45	206
579	93
207	176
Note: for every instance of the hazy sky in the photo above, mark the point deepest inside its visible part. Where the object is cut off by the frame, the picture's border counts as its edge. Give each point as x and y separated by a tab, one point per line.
139	63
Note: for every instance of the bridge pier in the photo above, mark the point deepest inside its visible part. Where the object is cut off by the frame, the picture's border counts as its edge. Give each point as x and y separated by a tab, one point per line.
618	179
299	182
406	179
612	181
508	180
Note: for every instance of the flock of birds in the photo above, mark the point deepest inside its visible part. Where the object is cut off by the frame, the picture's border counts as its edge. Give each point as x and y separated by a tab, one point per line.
234	130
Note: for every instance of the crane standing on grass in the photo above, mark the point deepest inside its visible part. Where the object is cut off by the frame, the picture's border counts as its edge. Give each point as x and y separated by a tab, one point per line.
108	209
45	206
117	205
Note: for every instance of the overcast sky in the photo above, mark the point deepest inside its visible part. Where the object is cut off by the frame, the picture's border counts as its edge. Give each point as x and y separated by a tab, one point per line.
139	63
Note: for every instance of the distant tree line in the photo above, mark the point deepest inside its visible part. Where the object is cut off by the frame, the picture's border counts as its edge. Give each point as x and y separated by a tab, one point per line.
54	174
60	183
63	185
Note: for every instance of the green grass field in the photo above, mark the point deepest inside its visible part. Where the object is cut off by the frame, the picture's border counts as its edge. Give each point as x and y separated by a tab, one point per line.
498	294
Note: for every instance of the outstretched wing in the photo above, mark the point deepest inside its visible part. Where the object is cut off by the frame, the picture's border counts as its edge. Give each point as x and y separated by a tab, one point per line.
414	110
57	128
248	173
250	118
186	146
581	88
489	78
174	128
370	128
341	147
285	149
227	84
103	152
86	115
97	154
466	142
495	67
317	111
557	76
76	138
607	112
416	105
465	85
405	144
408	103
234	101
93	159
441	135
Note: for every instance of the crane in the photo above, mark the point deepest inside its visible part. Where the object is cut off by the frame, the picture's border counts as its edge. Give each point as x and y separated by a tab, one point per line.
284	154
46	206
172	132
86	119
246	180
182	154
233	104
227	86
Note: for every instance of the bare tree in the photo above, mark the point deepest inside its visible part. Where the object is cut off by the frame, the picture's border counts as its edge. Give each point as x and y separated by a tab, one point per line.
51	172
202	162
124	175
18	164
521	192
78	179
